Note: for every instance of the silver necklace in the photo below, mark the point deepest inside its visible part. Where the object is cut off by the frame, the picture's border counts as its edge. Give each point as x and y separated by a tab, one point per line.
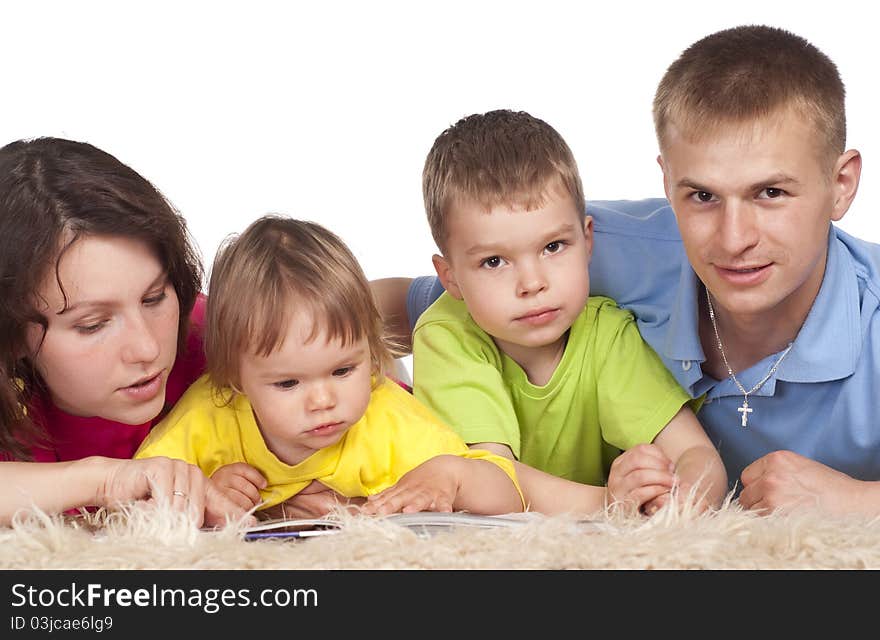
745	410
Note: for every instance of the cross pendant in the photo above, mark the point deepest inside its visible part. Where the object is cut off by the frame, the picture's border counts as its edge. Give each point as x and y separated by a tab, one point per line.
745	411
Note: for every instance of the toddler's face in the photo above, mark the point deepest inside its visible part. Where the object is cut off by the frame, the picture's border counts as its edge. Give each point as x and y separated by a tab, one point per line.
523	274
307	393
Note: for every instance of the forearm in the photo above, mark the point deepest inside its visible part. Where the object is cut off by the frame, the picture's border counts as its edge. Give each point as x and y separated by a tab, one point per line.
864	498
390	297
552	495
701	467
484	487
53	487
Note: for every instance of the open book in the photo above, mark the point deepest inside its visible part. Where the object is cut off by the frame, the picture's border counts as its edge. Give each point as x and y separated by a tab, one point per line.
425	522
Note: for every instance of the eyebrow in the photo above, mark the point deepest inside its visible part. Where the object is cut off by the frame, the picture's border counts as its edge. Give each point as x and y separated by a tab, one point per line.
162	278
348	357
490	247
776	178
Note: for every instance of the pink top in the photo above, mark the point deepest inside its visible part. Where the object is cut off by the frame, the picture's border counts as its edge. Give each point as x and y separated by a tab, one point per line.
75	437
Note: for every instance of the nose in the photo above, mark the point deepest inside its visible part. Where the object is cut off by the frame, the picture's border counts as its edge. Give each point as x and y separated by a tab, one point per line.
322	396
141	344
530	279
739	230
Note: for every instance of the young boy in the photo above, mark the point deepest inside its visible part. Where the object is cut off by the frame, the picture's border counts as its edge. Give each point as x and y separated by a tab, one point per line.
517	357
296	390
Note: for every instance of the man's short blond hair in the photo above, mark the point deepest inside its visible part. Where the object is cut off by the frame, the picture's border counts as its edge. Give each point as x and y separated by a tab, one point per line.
748	73
276	268
499	157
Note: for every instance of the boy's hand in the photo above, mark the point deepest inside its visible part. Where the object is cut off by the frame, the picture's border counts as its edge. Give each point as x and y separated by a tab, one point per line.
240	483
641	478
431	486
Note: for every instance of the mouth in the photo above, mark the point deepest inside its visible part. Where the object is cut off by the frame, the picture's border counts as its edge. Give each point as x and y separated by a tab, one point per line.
539	316
745	269
144	389
143	382
744	275
326	429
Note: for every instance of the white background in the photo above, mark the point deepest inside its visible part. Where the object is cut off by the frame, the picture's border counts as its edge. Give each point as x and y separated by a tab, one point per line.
326	111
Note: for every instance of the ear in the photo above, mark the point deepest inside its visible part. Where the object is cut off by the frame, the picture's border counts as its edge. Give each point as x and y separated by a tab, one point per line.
447	276
588	234
845	182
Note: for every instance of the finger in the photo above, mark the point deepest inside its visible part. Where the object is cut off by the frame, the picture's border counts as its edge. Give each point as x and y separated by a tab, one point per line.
414	502
647	477
245	487
650	507
197	488
241	500
220	509
646	494
250	474
159	476
399	499
754	471
750	496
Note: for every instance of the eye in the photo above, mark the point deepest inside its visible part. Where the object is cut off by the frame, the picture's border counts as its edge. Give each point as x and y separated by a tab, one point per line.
702	196
156	299
286	384
492	262
554	247
341	372
88	329
770	193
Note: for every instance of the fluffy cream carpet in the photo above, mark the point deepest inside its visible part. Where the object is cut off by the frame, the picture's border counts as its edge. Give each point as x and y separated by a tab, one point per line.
730	538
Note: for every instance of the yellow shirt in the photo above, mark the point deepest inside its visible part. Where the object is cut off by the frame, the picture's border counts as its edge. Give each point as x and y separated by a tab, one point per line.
396	434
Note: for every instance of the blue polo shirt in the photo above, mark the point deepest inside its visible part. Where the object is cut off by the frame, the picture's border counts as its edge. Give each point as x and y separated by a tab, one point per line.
820	402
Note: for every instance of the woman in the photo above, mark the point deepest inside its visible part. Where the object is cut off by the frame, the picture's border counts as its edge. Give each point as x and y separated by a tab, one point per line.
100	332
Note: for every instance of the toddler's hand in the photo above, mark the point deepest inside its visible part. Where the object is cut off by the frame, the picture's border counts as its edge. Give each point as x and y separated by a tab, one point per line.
431	486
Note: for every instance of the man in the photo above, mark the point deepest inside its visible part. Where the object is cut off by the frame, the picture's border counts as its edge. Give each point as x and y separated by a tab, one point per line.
762	309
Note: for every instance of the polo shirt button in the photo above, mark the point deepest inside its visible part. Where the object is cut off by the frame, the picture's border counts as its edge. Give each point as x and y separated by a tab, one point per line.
686	365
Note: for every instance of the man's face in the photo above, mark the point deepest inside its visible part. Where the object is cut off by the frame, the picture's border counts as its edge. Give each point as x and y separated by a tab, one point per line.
522	274
754	203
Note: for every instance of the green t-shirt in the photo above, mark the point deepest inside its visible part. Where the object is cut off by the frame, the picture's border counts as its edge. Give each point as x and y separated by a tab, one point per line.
609	393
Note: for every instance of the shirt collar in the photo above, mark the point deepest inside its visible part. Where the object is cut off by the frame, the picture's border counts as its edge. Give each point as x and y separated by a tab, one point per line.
815	357
828	344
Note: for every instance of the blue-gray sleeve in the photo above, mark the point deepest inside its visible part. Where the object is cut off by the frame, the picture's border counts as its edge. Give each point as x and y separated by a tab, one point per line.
421	294
627	250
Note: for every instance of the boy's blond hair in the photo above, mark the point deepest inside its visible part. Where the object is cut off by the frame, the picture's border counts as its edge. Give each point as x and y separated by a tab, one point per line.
276	268
499	157
747	73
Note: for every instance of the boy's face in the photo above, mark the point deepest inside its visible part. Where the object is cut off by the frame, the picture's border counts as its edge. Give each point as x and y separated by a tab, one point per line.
522	274
754	203
306	395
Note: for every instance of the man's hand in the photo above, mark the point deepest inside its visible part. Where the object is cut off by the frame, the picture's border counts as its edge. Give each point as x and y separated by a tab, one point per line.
789	481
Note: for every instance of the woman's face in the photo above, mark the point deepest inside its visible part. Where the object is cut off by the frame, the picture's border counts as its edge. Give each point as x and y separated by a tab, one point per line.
109	350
